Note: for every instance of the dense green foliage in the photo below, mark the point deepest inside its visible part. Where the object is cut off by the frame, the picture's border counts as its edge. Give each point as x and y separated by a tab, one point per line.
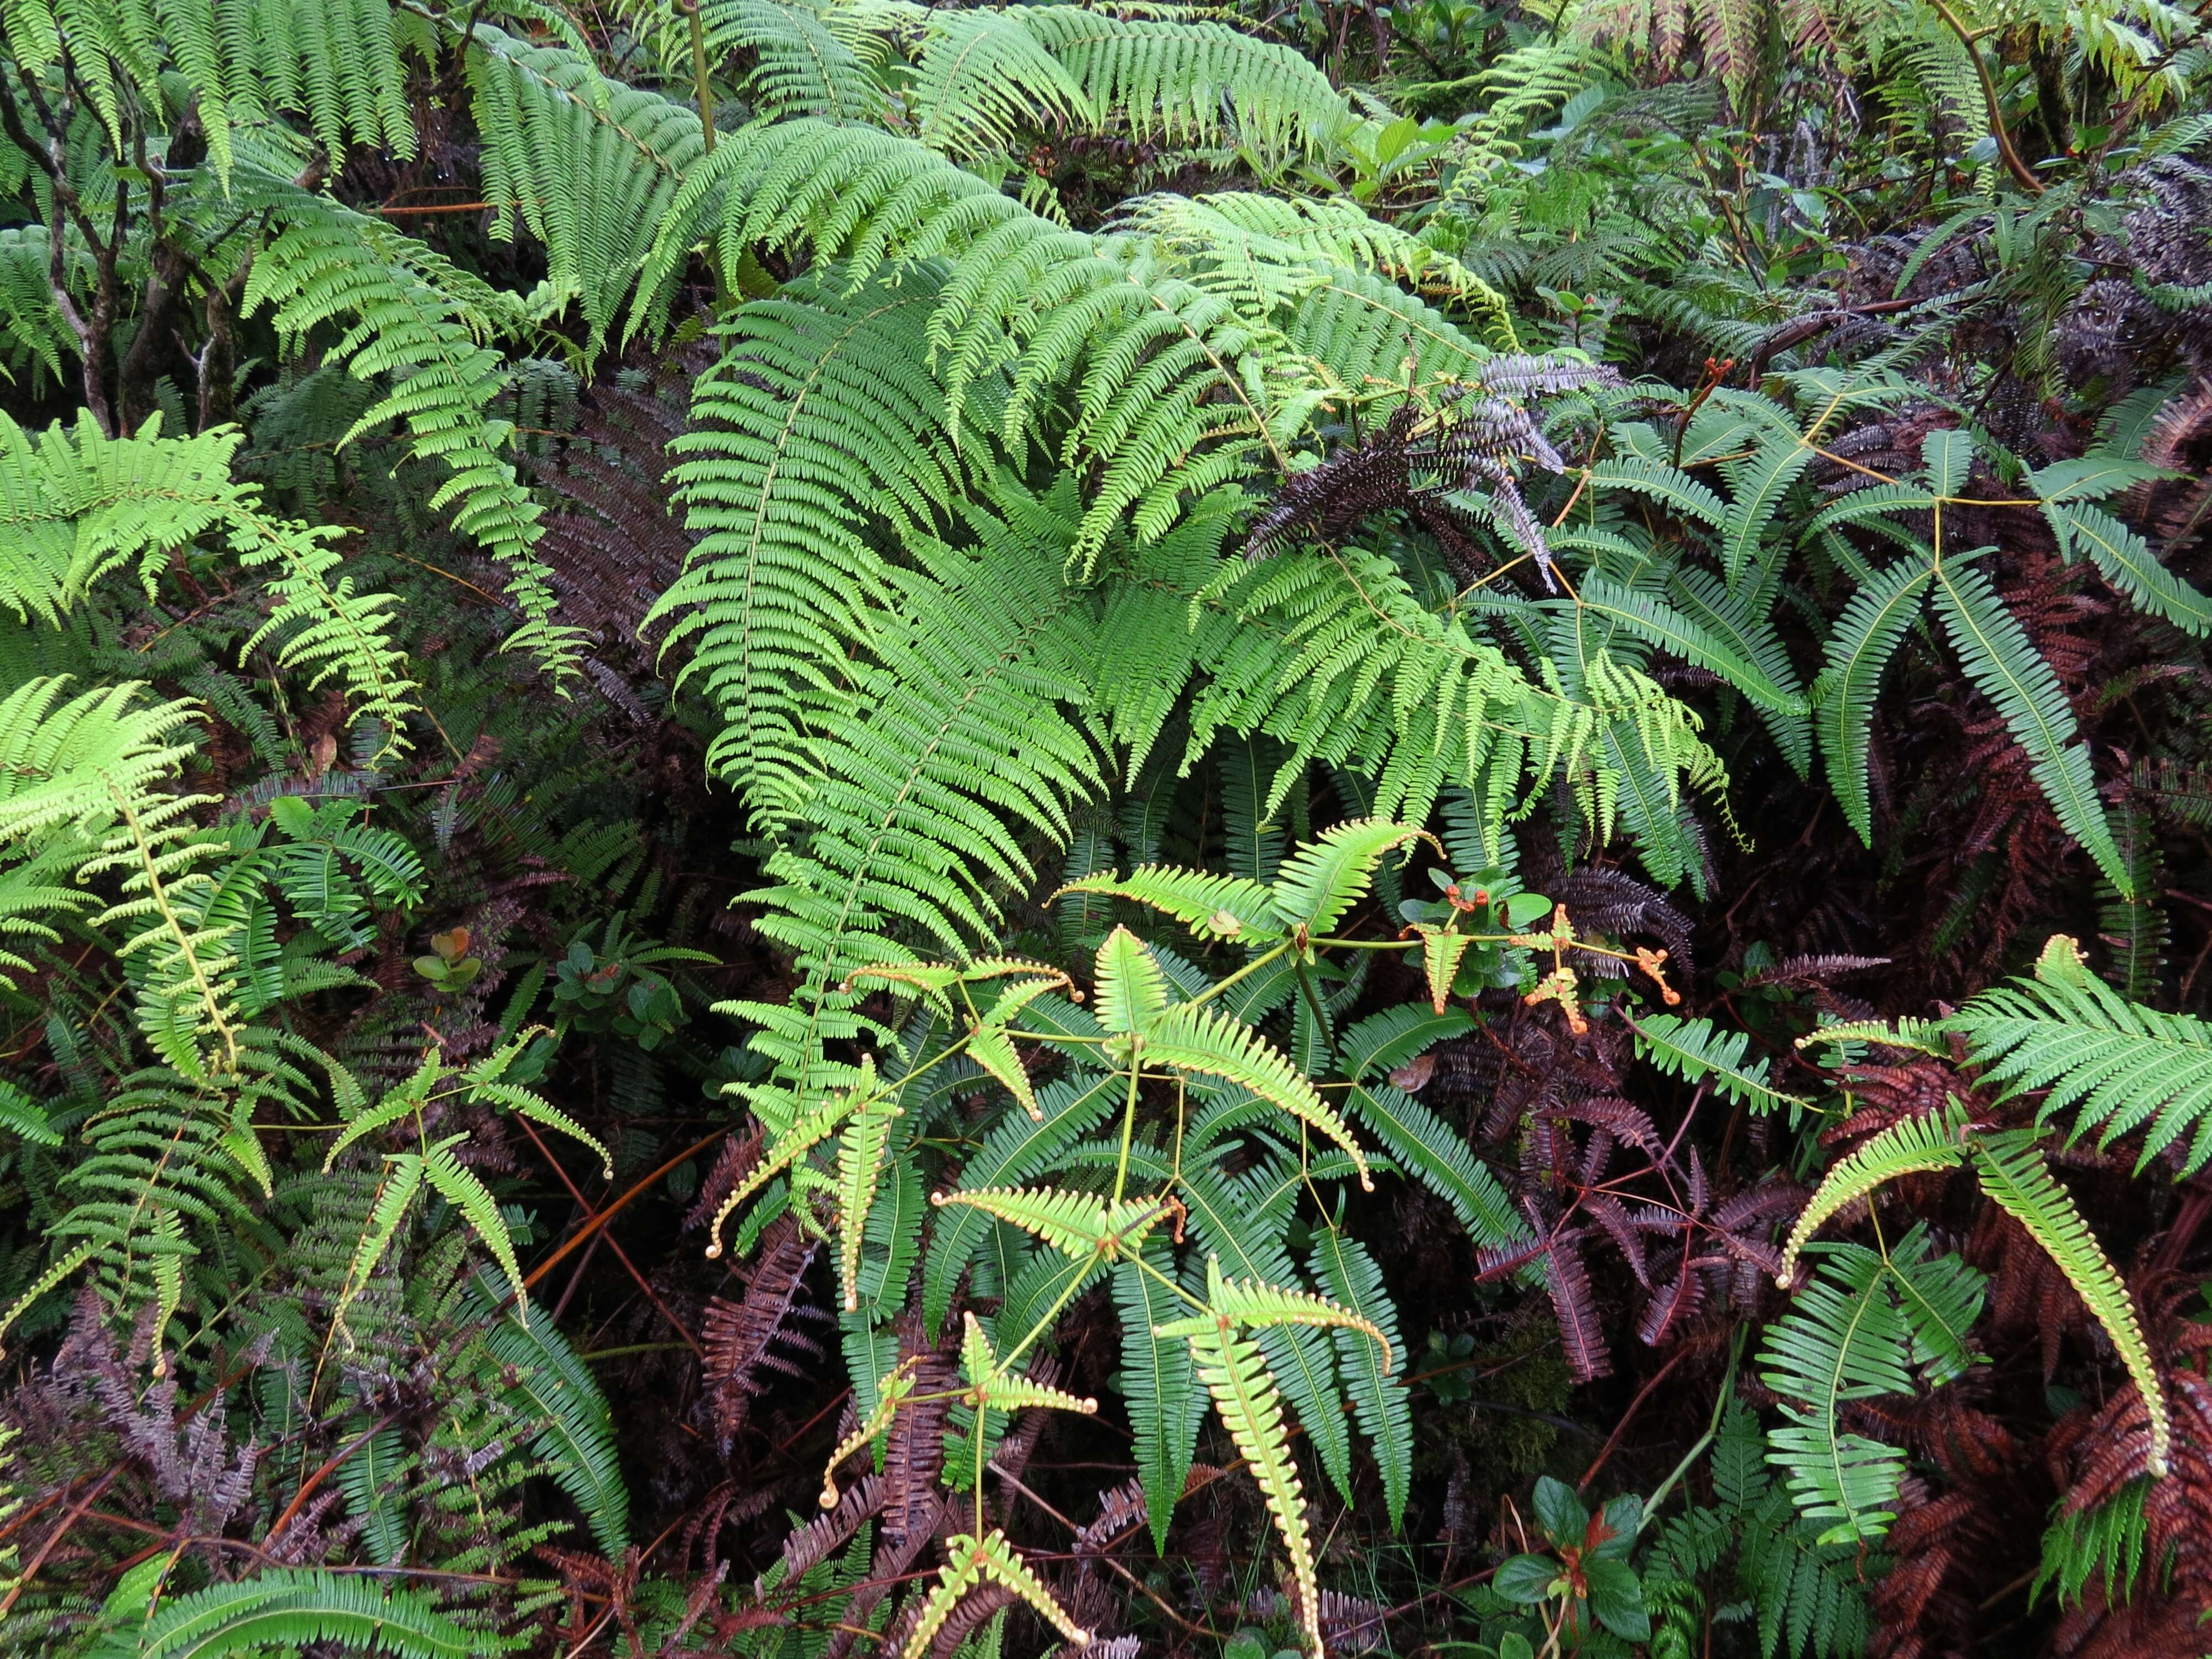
780	779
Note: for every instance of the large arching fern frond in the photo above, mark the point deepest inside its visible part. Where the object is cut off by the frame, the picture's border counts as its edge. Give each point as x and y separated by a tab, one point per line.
336	63
801	65
587	164
1193	83
1170	389
405	314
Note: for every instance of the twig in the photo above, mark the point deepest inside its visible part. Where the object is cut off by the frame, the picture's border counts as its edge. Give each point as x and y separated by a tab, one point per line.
1629	1416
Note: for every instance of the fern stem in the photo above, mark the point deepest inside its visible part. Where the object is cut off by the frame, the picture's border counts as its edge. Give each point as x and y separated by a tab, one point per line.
2019	170
1251	966
702	89
1712	1428
1129	1125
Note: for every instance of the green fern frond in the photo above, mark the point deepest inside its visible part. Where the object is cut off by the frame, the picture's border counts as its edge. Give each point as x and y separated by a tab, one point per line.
2016	1177
1866	637
1211	906
1256	1306
1437	1157
860	1153
2000	661
1193	83
1325	879
1843	1339
1079	1225
1244	1393
564	1410
991	1390
407	315
1931	1142
1700	1052
1159	1383
1189	1037
587	164
968	1562
2116	1065
803	64
956	742
295	1606
1129	986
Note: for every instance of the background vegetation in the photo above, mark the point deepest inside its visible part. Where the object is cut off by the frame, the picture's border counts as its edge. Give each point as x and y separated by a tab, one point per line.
880	829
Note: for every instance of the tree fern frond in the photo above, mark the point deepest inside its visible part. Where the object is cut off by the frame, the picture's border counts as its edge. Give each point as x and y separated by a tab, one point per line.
956	741
406	315
588	164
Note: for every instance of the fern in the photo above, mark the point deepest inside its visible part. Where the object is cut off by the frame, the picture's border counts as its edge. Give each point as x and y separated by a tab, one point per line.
956	728
82	504
1159	1382
1379	1400
409	316
1698	1051
1245	1396
1866	637
1858	1330
2116	1065
64	761
2014	1175
2000	661
1913	1144
816	387
587	164
295	1606
970	1561
1187	1038
564	1412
